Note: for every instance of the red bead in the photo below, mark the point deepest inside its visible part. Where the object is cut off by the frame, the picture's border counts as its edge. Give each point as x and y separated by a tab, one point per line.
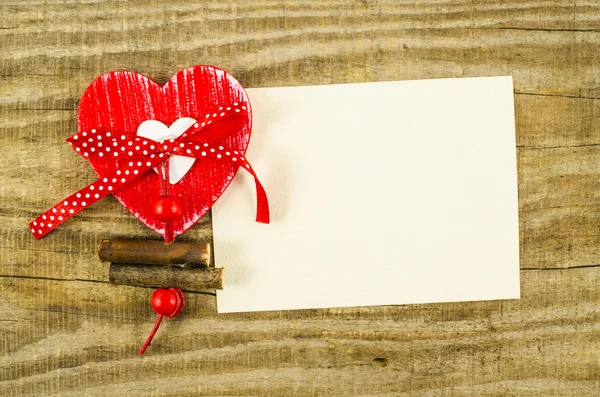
167	209
168	302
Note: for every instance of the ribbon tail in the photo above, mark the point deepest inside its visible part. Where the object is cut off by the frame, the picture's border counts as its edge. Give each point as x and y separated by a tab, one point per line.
68	208
87	196
262	203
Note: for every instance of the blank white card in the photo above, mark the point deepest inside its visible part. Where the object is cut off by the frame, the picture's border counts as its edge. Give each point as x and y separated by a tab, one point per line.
380	194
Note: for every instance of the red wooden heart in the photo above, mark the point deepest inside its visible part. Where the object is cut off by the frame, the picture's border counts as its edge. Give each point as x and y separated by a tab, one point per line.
120	101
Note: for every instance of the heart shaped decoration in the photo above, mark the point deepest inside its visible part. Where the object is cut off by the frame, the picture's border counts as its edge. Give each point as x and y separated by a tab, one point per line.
122	101
197	126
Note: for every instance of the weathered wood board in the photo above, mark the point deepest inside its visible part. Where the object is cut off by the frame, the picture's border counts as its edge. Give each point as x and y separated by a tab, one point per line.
64	331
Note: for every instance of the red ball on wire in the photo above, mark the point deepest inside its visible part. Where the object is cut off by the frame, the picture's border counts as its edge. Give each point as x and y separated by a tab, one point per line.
167	209
166	303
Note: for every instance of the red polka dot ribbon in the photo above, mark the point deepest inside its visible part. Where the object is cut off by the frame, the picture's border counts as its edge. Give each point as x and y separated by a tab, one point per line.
142	154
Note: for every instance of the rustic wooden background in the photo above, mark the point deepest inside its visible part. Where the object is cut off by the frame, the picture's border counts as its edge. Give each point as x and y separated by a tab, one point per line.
64	331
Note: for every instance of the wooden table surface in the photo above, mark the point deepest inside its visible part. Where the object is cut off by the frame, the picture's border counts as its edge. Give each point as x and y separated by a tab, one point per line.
64	331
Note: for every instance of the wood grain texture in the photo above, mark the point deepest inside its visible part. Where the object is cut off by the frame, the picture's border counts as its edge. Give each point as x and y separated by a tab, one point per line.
64	331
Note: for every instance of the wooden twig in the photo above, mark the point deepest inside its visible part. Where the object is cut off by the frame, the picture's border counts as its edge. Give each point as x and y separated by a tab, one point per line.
152	252
186	278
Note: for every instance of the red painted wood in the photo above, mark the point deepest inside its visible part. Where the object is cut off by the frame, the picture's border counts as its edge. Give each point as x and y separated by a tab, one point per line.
120	101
